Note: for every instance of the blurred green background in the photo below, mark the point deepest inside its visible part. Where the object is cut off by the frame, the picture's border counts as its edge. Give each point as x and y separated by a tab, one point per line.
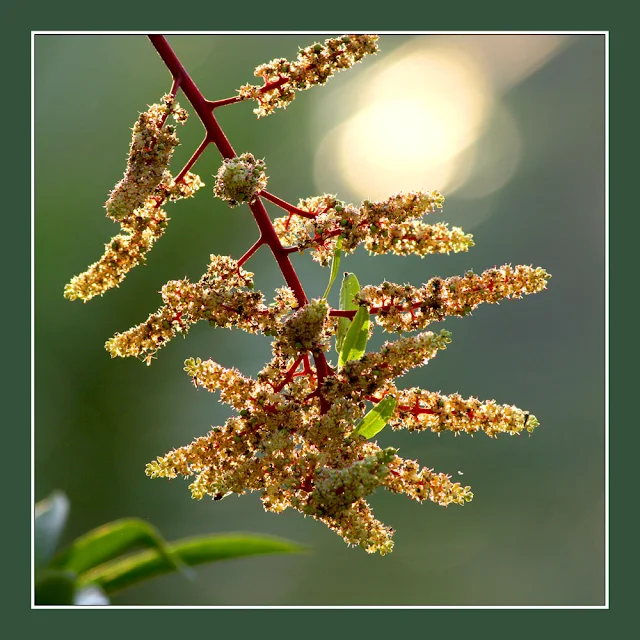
518	122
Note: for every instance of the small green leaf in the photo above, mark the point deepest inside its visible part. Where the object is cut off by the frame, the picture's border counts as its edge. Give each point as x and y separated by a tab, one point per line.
376	420
355	342
120	574
335	265
55	587
50	518
110	541
348	290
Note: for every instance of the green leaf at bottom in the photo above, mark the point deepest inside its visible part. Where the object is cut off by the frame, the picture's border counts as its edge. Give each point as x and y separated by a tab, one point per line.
120	574
111	540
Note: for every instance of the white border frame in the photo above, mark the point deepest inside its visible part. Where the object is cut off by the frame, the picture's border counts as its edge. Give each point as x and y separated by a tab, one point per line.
284	607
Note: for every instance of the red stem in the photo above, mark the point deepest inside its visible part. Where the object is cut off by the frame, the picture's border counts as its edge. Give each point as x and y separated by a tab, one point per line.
214	104
373	310
258	243
192	160
289	375
342	314
215	135
200	104
286	206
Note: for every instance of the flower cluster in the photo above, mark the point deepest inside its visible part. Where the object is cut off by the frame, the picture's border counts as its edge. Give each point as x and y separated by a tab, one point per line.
419	410
389	226
315	65
224	297
282	444
301	432
136	201
374	371
406	308
239	179
152	146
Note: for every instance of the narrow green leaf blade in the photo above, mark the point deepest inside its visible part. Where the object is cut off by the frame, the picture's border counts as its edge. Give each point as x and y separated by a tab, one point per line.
335	265
120	574
355	342
110	541
50	518
348	290
376	420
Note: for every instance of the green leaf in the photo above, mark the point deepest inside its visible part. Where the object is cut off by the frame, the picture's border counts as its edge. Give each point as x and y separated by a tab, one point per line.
355	342
50	518
376	420
55	587
112	540
120	574
335	265
348	290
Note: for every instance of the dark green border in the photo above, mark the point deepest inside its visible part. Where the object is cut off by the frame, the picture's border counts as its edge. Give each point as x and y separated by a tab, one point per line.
398	16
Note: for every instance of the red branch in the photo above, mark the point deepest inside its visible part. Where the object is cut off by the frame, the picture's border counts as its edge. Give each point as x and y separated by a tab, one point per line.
286	206
192	160
214	104
289	375
258	243
215	135
373	310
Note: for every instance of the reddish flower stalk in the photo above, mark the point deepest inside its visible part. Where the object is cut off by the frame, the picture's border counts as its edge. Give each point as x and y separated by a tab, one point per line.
286	206
214	104
216	136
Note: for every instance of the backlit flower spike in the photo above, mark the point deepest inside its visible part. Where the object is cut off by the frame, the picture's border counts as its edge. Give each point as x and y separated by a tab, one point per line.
152	145
335	489
387	226
416	237
357	526
223	297
375	371
121	254
136	201
143	340
406	476
315	65
235	389
210	458
420	410
406	308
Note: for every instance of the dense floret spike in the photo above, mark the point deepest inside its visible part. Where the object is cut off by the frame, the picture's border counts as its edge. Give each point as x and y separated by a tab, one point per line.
388	226
315	65
406	308
136	201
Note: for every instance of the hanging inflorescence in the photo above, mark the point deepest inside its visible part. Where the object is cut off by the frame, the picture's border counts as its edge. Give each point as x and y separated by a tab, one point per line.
301	431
